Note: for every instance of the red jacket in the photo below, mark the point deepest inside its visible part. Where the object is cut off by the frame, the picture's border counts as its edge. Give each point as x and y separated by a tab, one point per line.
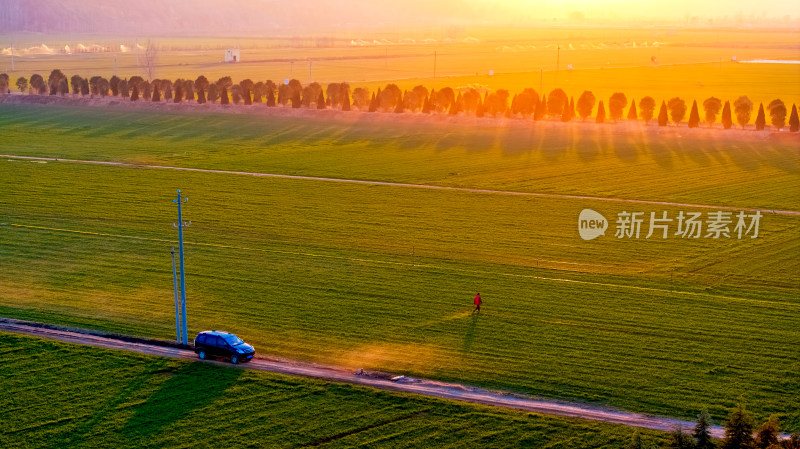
478	300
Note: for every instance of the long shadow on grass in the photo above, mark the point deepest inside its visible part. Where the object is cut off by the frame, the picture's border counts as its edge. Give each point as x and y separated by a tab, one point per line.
189	388
469	336
102	413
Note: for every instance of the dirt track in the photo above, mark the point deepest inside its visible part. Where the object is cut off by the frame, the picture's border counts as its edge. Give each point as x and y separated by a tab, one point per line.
406	185
450	391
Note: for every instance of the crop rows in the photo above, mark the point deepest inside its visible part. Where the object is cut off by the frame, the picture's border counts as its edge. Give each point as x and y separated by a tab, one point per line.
739	169
381	277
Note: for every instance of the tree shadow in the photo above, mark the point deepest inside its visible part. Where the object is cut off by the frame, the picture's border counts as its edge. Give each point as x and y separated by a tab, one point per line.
100	418
517	141
189	388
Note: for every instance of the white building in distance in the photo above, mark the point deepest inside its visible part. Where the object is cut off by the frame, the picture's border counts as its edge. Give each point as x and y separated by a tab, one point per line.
232	55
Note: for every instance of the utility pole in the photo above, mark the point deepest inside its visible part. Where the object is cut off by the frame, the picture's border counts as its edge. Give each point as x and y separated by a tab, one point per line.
558	61
177	312
181	224
309	71
12	57
115	66
434	65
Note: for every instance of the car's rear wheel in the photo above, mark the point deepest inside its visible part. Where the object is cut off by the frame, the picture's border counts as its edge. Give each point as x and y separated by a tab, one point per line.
202	355
235	359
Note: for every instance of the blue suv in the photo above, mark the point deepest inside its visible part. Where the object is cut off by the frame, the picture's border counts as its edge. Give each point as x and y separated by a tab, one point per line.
221	344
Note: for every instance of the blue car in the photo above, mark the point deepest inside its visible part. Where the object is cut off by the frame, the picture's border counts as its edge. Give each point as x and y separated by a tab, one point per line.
221	344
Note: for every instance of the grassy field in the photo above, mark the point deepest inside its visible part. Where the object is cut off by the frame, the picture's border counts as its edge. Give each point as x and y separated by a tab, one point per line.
62	395
382	277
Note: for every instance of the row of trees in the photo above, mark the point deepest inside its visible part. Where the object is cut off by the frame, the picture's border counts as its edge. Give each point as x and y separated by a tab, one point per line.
740	433
556	105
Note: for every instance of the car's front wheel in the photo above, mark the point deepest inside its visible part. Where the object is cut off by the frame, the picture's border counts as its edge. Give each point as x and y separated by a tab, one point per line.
202	355
235	359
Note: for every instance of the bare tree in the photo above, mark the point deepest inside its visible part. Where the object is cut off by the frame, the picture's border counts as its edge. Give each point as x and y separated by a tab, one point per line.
148	59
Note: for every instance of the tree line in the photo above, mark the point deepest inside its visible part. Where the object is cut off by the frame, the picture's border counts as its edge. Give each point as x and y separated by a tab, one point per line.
555	105
740	433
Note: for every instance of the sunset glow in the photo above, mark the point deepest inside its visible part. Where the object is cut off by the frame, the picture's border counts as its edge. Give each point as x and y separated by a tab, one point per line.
400	224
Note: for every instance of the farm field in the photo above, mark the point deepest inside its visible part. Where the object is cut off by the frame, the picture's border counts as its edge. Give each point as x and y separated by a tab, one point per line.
100	398
691	63
626	160
381	276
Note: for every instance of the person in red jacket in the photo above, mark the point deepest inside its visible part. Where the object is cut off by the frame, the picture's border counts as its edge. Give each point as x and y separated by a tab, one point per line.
478	302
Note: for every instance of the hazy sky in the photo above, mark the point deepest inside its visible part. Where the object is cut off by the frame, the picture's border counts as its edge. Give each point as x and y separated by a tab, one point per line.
514	10
303	16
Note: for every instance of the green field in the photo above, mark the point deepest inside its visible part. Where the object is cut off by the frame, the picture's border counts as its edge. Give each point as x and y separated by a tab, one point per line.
382	277
63	395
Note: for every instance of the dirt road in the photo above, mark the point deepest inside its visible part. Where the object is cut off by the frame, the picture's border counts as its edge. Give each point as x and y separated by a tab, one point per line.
444	390
406	185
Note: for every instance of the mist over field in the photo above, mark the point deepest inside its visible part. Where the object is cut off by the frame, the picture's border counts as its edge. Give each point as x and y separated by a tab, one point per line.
273	17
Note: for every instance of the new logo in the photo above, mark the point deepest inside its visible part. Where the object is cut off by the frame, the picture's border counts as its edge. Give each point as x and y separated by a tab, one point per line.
591	224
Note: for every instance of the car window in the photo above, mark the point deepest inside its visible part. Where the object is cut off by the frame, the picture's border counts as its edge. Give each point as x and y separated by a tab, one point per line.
201	339
219	342
233	340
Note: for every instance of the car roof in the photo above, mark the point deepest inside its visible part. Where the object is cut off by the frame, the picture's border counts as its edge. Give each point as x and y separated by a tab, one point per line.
216	332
